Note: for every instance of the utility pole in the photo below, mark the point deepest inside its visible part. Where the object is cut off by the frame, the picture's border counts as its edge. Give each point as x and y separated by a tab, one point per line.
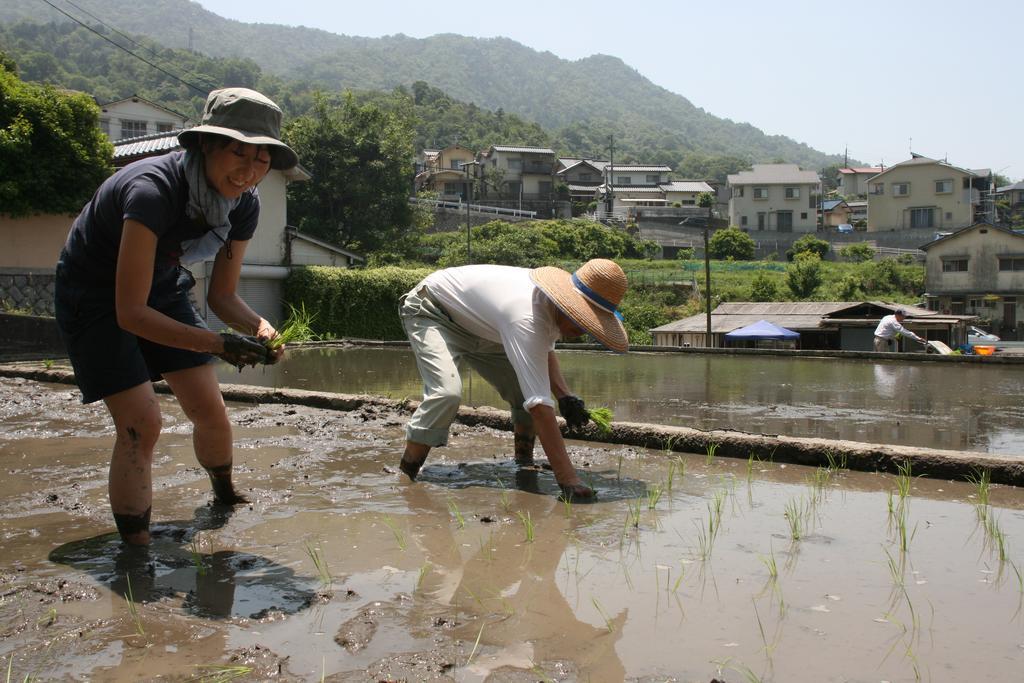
707	284
611	175
469	194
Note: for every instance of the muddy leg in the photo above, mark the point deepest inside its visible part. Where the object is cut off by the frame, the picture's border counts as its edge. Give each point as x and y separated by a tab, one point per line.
198	392
524	440
413	458
137	422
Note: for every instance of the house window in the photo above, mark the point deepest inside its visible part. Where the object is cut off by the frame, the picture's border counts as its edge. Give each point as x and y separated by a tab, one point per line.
803	215
922	218
105	126
877	188
653	179
1011	263
954	265
784	220
453	188
737	191
743	220
515	164
943	186
956	307
132	129
792	193
761	219
760	193
456	164
624	180
585	176
164	127
900	189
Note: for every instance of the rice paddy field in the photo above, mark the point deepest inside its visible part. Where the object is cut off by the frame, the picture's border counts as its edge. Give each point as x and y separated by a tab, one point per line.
689	567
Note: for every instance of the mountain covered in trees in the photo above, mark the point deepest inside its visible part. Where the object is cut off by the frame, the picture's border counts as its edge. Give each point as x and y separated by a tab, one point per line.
528	97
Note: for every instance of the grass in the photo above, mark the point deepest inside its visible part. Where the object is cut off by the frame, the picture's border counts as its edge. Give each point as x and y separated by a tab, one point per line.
676	464
453	507
903	480
297	327
527	525
506	497
133	608
981	479
796	513
316	554
653	496
221	673
633	512
476	644
399	536
710	449
602	417
608	623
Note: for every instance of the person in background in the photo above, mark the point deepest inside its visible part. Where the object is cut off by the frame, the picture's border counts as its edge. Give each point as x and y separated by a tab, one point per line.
890	328
122	293
504	321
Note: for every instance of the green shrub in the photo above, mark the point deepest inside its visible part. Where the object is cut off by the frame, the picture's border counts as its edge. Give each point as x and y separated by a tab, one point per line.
803	276
731	243
361	304
764	288
810	244
859	252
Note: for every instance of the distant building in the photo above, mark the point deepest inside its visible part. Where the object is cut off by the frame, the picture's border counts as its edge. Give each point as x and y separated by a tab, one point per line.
779	197
444	172
853	181
511	172
925	193
978	270
837	212
582	176
136	116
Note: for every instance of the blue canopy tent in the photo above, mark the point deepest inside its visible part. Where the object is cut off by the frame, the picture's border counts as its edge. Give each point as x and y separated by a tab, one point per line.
763	330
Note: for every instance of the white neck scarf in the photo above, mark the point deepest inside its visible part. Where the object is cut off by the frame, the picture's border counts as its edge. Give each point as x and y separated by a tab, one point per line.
205	205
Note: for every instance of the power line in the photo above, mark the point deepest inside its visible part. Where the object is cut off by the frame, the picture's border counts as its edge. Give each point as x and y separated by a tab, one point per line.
134	42
122	47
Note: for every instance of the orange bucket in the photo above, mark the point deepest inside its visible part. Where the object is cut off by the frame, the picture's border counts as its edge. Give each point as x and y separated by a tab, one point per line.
984	350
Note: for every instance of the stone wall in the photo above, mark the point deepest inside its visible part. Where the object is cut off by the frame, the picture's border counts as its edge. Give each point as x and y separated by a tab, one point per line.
26	291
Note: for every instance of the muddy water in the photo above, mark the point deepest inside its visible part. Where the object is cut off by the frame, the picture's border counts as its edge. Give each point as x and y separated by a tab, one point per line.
478	572
959	407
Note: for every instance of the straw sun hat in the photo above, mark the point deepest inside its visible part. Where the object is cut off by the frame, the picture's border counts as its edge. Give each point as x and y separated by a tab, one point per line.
247	116
590	297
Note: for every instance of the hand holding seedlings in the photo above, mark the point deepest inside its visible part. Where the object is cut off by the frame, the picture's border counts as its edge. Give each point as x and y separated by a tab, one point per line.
241	350
602	417
574	411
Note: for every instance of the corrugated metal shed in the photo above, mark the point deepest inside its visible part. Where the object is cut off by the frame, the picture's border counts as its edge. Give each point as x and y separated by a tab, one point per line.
146	145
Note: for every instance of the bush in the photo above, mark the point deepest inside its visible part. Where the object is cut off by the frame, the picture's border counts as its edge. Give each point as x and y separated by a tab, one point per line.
763	288
684	253
731	243
361	304
858	252
803	276
809	244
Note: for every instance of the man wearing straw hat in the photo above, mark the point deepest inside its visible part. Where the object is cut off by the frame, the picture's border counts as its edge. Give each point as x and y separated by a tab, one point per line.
504	321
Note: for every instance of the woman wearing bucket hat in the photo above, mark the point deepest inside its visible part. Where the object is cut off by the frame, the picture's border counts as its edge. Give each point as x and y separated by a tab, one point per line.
504	322
122	292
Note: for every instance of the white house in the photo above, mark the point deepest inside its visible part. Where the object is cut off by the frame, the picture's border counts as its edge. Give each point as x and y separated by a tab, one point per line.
135	116
779	197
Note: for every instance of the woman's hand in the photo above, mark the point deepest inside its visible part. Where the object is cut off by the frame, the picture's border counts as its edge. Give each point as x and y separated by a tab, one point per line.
265	332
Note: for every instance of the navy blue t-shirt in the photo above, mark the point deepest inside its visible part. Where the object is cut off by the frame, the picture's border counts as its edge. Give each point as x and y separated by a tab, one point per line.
154	192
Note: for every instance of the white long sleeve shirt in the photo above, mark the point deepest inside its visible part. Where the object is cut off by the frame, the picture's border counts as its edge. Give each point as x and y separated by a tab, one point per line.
889	327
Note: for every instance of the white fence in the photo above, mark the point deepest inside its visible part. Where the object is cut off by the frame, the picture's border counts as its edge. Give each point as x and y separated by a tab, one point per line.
473	208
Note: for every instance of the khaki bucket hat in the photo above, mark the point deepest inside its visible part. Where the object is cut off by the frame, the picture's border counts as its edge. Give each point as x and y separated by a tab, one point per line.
247	116
590	297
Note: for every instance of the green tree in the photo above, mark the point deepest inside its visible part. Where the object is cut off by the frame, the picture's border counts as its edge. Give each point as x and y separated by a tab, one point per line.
733	244
803	275
859	252
360	156
763	288
53	155
808	243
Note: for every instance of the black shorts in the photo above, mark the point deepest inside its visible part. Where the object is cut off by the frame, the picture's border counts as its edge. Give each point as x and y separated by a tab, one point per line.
106	359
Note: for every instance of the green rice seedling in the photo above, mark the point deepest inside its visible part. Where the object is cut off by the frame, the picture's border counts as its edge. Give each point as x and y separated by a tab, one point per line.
567	505
133	609
608	623
750	466
981	480
424	569
47	619
297	327
506	497
316	555
705	540
539	673
901	527
679	579
653	496
602	417
710	449
453	507
903	479
399	536
715	510
197	555
896	569
795	512
769	562
527	525
633	512
48	363
676	464
996	537
221	673
476	644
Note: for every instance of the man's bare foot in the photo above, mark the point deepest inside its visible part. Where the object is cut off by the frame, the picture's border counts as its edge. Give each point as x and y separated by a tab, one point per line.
411	469
134	529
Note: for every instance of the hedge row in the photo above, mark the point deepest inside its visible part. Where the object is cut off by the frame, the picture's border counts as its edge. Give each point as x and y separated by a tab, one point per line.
360	304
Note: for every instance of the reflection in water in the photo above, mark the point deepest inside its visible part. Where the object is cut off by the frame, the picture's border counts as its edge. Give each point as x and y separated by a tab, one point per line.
517	580
218	585
935	405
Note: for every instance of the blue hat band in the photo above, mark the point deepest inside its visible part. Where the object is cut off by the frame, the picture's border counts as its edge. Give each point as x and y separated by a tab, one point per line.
595	297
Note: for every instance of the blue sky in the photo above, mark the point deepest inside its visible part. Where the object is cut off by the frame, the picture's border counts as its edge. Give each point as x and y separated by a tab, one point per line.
876	77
